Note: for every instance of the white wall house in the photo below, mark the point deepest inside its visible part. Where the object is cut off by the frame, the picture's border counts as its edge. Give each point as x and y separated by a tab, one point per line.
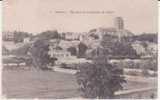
59	53
139	48
26	40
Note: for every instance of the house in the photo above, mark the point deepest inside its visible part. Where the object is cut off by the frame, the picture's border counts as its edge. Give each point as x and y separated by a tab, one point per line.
73	36
139	48
152	48
8	36
70	36
65	57
66	44
26	40
59	54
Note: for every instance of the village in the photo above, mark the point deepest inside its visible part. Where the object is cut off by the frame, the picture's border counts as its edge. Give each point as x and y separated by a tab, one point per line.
135	54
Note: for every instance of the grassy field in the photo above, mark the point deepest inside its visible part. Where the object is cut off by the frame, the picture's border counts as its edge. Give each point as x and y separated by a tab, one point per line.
38	84
45	84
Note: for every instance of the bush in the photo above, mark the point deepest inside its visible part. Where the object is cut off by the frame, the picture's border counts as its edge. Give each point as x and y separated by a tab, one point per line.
82	50
39	54
63	65
118	50
72	50
99	79
145	73
150	64
132	73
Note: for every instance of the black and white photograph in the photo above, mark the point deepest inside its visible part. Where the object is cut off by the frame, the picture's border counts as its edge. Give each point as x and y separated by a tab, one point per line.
79	49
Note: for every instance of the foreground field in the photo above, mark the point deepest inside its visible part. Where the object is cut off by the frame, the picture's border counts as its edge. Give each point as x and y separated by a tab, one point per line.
41	84
45	84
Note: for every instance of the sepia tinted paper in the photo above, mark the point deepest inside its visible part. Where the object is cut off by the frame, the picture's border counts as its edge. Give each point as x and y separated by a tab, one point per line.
80	49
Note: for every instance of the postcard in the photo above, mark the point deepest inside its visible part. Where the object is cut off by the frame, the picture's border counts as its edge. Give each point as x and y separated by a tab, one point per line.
80	49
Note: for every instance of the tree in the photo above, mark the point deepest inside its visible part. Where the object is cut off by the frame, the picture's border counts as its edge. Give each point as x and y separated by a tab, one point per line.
39	54
82	49
21	53
49	35
150	37
99	79
72	50
118	49
124	49
5	51
22	50
150	64
94	36
19	36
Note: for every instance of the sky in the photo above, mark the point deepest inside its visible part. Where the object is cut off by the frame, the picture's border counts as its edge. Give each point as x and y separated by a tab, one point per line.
36	16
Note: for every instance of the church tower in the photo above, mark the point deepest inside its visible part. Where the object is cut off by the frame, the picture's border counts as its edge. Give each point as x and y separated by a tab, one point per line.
119	25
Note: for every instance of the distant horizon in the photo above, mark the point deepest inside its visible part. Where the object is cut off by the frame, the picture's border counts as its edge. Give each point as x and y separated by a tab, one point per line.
74	32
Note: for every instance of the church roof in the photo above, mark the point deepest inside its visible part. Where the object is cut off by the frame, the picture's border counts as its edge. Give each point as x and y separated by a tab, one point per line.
111	31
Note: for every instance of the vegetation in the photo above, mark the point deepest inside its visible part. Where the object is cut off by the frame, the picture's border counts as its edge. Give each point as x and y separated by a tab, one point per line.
49	35
99	79
145	73
82	49
72	50
64	65
118	49
132	73
21	51
39	54
5	51
94	36
19	36
20	55
146	37
150	64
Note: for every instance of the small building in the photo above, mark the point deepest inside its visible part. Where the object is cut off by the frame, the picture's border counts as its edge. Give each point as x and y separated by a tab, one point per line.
67	44
8	36
26	40
139	48
72	36
59	54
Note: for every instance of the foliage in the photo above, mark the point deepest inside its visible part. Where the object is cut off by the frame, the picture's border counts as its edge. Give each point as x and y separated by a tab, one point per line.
123	49
145	72
22	50
132	73
94	36
118	49
72	50
64	65
150	37
49	35
82	49
21	54
5	51
19	36
39	54
150	64
99	51
144	44
99	79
